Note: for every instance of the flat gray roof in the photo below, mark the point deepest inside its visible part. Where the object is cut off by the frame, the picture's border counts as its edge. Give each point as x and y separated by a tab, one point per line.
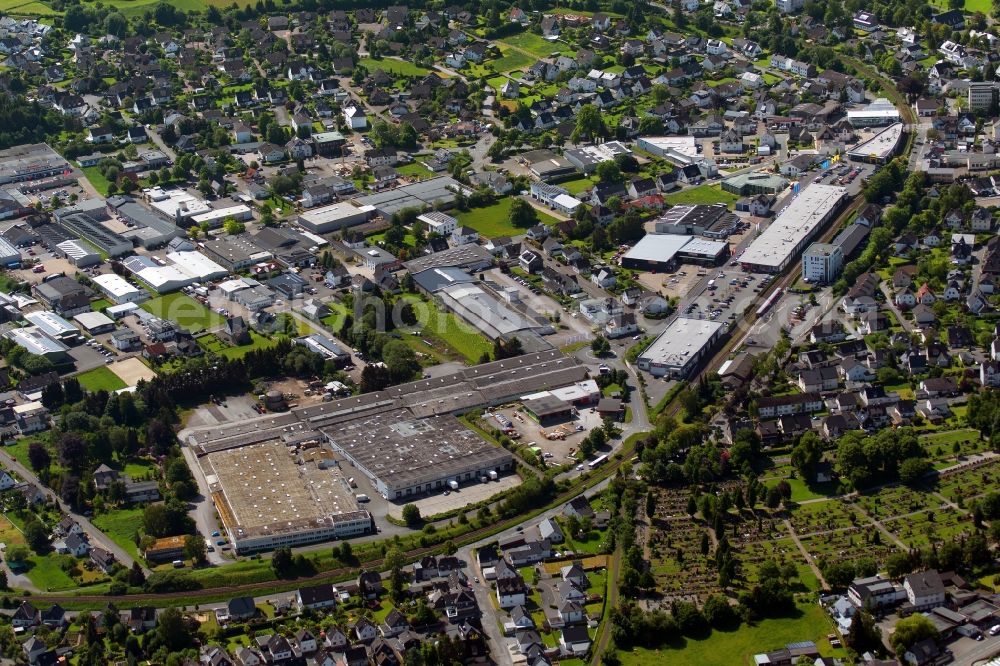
657	247
416	195
681	341
880	146
773	248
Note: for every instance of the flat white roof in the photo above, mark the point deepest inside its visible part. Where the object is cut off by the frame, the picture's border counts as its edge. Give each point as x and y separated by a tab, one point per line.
657	247
197	265
679	144
35	341
121	309
92	320
681	341
175	202
238	212
333	212
114	285
165	278
567	201
29	408
881	145
703	246
793	225
50	323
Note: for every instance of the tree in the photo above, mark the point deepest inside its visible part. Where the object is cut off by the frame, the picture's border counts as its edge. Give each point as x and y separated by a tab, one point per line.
411	515
912	630
233	226
589	125
281	561
609	172
806	456
38	455
600	345
864	634
18	553
194	548
913	469
400	359
36	536
522	214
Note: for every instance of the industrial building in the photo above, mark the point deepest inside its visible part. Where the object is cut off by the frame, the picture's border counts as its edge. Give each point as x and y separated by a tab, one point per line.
335	217
162	279
404	456
879	113
663	252
787	235
488	314
436	192
405	438
78	253
821	263
87	226
54	326
118	289
469	257
712	221
10	256
325	347
879	148
751	182
272	494
197	265
235	253
65	296
144	227
679	348
681	151
36	342
94	323
32	161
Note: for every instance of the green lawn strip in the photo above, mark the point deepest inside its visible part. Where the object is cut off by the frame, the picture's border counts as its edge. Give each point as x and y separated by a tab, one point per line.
121	525
96	179
450	330
186	311
725	648
702	194
393	66
492	221
100	304
416	169
44	571
337	318
511	60
100	379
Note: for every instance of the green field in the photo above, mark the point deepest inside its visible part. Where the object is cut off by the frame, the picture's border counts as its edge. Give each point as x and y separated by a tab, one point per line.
100	304
44	572
96	179
446	327
183	309
510	60
529	41
30	8
415	170
120	525
492	220
393	66
212	343
702	194
726	648
101	379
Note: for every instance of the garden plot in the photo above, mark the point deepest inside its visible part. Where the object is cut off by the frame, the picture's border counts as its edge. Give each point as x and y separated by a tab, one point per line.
823	517
962	485
896	501
933	526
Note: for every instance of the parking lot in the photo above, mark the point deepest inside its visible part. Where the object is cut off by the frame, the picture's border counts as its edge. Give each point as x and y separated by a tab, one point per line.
728	292
565	436
449	500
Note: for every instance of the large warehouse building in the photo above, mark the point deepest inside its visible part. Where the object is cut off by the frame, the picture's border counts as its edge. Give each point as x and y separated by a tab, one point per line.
676	352
794	227
335	217
406	439
663	252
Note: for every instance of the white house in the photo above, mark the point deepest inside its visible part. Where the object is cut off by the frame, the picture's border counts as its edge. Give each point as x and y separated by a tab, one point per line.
511	592
355	117
924	590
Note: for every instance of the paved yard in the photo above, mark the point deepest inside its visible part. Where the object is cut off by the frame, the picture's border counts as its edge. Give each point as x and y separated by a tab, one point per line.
469	493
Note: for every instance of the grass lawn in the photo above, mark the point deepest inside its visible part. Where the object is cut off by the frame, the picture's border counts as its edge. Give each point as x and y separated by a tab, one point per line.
393	66
183	309
702	194
491	221
444	326
337	318
415	170
802	492
738	647
120	525
101	378
96	179
511	60
138	467
9	535
19	449
212	343
529	41
44	572
100	304
578	185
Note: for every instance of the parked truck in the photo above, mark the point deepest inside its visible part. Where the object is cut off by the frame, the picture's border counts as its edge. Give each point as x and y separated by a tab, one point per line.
453	484
493	475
